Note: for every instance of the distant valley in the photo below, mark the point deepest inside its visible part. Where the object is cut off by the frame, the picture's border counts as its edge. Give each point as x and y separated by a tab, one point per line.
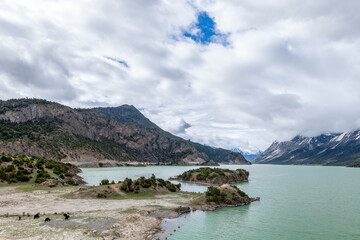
247	155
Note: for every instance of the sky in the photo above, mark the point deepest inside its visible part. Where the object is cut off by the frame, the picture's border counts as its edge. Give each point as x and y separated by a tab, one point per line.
223	73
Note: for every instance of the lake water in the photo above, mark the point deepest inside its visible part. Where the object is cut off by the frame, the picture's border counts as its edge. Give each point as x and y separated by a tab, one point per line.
297	202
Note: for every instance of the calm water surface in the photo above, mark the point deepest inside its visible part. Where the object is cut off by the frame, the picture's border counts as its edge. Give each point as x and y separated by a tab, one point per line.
297	202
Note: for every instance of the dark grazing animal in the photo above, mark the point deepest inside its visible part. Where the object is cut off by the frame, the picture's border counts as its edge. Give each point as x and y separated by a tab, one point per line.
47	219
66	216
36	216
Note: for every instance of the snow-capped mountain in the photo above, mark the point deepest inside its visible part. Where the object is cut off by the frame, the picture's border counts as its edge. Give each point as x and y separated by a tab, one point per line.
325	149
247	155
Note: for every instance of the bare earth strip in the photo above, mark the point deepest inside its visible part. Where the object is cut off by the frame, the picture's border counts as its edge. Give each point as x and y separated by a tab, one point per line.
90	218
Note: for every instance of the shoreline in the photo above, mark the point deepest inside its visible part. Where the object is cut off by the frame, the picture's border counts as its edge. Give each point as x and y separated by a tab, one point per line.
113	163
125	218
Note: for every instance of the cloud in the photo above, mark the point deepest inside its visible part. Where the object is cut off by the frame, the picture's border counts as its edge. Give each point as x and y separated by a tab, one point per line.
175	125
242	74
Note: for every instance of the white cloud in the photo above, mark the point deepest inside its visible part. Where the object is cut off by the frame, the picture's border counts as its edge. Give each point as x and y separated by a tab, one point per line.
291	66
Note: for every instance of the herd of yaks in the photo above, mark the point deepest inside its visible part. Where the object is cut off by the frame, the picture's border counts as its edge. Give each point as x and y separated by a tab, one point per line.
36	216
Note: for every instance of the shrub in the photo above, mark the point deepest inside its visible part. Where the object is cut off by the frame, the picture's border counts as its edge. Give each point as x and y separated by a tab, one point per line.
18	162
23	178
59	169
71	182
42	176
104	182
241	193
6	158
145	183
101	195
213	194
213	175
10	168
171	187
3	175
127	185
200	176
161	182
39	163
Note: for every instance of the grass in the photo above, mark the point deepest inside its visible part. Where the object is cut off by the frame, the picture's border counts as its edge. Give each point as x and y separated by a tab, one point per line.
19	184
200	200
30	187
131	210
159	207
139	196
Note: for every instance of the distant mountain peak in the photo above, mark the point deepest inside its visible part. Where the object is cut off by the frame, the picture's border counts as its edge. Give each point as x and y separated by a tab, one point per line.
126	113
247	155
326	149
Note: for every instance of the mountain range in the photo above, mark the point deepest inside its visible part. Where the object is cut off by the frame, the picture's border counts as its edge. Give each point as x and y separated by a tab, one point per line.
90	137
335	149
247	155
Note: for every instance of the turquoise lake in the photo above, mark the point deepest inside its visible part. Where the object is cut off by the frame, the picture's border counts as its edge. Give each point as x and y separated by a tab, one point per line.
297	202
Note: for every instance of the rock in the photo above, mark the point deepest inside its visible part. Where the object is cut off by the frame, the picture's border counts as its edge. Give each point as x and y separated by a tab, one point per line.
182	209
50	183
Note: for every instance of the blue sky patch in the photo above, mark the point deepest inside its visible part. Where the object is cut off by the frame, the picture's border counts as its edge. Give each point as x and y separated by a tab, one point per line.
204	31
118	61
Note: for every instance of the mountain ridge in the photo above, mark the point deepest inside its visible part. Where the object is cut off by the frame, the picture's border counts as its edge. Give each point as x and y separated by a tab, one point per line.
71	134
212	154
88	136
335	149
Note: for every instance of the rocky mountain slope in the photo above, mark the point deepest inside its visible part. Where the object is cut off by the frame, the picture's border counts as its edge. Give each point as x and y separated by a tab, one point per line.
341	149
22	168
54	131
96	137
129	114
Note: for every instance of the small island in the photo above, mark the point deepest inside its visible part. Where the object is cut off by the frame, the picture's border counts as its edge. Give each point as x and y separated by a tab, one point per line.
213	176
224	196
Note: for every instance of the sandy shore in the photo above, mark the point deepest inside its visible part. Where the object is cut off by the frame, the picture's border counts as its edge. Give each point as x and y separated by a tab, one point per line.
90	218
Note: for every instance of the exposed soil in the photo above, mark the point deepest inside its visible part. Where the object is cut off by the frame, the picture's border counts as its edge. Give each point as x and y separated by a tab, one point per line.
89	218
